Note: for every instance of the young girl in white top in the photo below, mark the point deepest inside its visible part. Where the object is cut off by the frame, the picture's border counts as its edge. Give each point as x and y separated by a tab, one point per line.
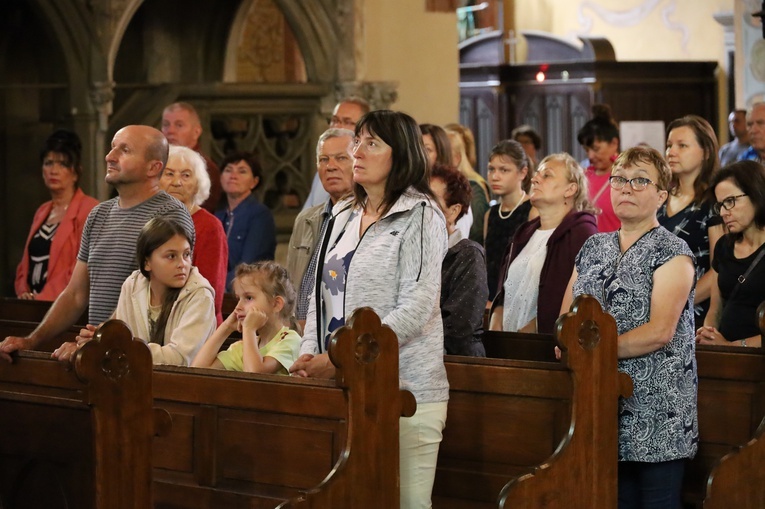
166	303
263	315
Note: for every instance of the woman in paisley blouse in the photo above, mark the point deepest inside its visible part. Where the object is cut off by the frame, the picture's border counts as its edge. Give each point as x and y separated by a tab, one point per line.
692	157
644	276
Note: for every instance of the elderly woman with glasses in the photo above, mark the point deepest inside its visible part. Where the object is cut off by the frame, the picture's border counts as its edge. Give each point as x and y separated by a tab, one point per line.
643	275
738	266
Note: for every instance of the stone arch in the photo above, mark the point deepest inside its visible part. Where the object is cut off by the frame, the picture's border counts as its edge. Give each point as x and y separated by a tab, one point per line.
314	30
117	33
84	59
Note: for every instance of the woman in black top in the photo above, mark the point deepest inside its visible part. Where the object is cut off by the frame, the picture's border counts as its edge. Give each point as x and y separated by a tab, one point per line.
738	266
509	175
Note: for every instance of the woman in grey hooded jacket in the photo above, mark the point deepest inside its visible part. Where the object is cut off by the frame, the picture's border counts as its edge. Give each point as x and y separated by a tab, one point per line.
383	249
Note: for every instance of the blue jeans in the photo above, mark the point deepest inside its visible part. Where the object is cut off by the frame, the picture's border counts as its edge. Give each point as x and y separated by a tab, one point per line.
651	485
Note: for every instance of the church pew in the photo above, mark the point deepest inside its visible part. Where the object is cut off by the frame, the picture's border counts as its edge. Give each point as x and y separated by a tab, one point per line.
30	310
78	435
743	466
731	409
22	328
243	440
731	403
519	346
525	433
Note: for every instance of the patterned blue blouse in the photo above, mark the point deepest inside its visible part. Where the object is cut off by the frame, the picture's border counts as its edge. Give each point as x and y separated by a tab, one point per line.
659	421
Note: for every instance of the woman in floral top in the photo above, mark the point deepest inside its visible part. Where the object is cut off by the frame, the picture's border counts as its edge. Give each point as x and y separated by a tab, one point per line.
644	276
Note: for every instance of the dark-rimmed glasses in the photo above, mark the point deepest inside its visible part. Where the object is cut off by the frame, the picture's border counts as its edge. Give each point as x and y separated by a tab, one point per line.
637	184
727	204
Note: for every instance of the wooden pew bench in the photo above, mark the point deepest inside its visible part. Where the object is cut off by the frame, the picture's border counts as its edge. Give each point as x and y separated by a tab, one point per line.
78	435
30	310
731	409
731	402
243	440
22	328
535	434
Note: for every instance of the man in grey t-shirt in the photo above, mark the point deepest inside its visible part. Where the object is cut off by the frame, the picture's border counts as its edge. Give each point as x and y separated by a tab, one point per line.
107	251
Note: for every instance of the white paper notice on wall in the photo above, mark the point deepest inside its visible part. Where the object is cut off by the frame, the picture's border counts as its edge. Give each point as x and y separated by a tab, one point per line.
650	132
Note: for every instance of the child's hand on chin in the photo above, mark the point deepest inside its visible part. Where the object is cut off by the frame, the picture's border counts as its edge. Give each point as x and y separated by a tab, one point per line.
231	323
254	319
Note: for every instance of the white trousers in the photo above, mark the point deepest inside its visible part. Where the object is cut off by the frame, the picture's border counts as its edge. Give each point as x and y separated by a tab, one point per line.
419	438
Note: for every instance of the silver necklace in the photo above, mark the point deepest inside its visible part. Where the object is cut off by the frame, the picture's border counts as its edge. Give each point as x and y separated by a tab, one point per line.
499	208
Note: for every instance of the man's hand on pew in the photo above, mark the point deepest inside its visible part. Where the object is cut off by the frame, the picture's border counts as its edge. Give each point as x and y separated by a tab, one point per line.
313	366
12	344
65	352
86	334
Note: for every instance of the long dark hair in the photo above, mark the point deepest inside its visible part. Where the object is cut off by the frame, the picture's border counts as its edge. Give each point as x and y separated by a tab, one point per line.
155	233
410	164
705	137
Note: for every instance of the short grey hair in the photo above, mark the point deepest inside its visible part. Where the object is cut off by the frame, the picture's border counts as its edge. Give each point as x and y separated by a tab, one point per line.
193	160
758	104
332	132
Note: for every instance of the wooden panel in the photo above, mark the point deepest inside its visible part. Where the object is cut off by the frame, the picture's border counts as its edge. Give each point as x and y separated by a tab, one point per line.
266	449
175	451
84	441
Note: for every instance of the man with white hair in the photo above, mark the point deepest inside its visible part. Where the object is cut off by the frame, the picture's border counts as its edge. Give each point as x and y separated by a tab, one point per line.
181	126
345	116
334	161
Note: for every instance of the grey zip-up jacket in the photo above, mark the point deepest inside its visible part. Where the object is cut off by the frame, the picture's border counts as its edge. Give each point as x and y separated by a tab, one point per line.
396	270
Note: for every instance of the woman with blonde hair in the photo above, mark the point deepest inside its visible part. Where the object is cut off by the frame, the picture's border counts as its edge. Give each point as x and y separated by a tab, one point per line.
479	205
539	261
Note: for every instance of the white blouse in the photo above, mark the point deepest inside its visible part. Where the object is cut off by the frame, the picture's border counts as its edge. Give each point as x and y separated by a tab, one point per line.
522	282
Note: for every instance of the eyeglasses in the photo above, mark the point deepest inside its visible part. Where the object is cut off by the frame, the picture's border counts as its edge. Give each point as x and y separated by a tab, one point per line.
637	184
727	204
345	122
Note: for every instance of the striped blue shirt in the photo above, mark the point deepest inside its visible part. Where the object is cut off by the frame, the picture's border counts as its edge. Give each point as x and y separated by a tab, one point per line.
108	246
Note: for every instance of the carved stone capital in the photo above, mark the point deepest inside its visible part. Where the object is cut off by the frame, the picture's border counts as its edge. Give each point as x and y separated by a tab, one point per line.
102	95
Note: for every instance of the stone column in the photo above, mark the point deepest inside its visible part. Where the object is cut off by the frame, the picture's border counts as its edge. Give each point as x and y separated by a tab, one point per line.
101	96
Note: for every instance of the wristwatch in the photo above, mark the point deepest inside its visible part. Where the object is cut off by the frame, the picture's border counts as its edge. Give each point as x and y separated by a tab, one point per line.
743	342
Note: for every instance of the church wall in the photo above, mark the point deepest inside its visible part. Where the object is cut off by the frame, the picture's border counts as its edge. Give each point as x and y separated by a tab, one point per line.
402	42
642	30
639	30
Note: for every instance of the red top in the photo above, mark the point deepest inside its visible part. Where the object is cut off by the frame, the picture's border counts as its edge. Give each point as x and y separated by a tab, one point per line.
600	195
211	254
63	248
